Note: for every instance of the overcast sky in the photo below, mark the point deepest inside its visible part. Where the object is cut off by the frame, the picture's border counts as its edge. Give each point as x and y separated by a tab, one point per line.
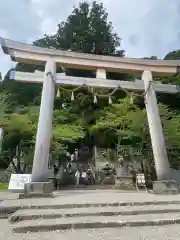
147	27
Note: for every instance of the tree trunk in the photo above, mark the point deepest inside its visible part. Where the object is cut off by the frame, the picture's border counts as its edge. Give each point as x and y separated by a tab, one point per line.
18	153
14	166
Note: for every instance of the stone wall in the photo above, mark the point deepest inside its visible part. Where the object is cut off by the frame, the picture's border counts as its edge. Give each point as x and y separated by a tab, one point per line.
175	175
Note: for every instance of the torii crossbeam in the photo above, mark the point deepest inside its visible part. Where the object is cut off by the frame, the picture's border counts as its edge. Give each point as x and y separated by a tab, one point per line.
101	64
62	79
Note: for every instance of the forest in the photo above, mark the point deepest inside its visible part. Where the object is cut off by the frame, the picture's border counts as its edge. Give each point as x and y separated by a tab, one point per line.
108	119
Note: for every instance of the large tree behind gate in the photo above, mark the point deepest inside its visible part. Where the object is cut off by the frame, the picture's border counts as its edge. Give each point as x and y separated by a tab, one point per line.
86	30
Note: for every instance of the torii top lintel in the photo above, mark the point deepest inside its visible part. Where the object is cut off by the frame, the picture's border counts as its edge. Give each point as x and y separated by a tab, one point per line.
27	53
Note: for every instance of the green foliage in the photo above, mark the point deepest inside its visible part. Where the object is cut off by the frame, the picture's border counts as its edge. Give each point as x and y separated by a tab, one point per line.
19	129
128	127
68	133
174	55
3	186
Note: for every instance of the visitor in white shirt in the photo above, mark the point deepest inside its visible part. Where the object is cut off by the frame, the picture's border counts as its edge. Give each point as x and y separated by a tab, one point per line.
77	176
84	177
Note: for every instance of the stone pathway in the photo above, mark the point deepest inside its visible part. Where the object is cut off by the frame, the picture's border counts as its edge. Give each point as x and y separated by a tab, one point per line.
87	214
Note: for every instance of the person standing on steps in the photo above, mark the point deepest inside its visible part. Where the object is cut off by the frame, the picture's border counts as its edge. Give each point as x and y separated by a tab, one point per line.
77	176
84	177
89	176
59	176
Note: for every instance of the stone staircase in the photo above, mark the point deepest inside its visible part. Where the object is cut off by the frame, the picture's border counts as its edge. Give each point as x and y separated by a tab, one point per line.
93	216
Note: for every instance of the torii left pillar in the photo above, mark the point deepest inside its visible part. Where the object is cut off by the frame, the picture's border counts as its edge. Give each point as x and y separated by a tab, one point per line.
39	180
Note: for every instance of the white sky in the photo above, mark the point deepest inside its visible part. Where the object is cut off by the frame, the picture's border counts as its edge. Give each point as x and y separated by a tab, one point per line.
147	27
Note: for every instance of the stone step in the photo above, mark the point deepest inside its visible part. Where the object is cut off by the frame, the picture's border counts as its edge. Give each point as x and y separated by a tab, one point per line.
43	204
42	225
30	214
169	232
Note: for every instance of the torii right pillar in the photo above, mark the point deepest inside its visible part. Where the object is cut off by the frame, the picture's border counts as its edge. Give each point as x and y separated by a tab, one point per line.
164	183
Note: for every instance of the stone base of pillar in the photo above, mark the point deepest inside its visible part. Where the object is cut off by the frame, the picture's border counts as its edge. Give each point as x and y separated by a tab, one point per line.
166	187
125	182
37	189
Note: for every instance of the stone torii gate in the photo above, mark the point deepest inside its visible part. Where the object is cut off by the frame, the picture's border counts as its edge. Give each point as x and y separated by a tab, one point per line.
25	53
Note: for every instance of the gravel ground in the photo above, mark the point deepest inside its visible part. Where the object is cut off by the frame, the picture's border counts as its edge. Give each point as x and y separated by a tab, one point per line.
171	232
6	195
